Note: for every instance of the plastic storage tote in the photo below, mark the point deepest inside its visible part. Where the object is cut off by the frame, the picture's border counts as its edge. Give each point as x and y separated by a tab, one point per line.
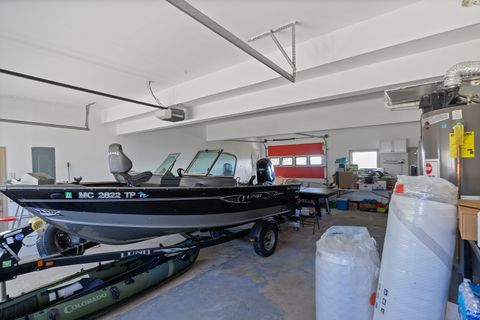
342	204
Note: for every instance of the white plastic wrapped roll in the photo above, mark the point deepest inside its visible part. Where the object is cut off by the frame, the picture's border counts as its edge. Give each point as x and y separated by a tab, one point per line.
418	250
346	273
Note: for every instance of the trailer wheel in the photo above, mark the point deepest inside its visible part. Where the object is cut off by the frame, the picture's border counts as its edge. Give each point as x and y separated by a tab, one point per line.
267	240
54	240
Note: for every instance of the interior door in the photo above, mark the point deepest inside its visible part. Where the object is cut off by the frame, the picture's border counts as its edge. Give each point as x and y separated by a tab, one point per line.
43	160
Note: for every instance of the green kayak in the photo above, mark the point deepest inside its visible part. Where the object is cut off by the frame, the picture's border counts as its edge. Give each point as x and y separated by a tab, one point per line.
89	292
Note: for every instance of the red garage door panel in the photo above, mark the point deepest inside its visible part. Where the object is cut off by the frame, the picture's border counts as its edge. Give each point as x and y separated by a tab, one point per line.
304	149
300	172
295	149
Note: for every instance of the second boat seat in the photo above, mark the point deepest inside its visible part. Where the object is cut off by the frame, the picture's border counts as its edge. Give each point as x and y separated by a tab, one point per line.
120	165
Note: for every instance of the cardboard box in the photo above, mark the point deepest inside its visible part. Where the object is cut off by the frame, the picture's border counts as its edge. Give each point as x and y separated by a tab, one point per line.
346	180
367	206
467	215
353	206
365	187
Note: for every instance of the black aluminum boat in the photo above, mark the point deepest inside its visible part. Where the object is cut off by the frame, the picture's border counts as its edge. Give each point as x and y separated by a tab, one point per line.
139	206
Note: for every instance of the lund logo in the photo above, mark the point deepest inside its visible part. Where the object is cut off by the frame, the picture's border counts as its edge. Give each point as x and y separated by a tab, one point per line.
135	253
246	198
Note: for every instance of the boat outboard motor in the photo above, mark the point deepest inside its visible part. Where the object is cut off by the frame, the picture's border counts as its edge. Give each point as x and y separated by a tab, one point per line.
120	165
265	172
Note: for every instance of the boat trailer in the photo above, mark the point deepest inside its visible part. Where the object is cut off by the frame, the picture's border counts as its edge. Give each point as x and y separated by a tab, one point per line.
263	235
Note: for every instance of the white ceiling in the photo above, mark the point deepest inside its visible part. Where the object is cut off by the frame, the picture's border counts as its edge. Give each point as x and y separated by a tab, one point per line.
117	45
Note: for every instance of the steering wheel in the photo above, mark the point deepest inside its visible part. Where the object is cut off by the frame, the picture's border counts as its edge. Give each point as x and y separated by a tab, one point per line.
180	172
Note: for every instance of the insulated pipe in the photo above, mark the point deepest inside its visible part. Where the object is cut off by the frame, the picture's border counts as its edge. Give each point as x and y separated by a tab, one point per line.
463	70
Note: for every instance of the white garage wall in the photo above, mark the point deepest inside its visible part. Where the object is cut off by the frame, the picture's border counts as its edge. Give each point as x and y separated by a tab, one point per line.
85	150
341	142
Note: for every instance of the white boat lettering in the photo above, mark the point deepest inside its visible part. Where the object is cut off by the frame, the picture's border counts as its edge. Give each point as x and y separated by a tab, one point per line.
130	194
48	212
135	253
246	198
72	307
86	195
253	196
109	195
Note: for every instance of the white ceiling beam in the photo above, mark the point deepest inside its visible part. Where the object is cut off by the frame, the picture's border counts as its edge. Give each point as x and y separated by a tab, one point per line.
369	78
362	111
401	26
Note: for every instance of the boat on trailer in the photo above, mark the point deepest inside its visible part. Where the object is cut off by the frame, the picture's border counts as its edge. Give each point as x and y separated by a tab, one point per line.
144	205
204	203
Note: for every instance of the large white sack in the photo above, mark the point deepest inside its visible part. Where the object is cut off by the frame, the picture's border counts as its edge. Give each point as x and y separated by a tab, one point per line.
347	264
418	251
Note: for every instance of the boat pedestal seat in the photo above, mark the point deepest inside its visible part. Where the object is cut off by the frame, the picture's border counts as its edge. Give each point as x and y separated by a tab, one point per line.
134	180
120	165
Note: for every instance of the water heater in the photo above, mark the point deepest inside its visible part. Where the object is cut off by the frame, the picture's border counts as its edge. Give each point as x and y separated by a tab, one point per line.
438	153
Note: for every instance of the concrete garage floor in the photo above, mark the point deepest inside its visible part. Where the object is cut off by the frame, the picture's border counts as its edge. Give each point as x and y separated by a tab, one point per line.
230	281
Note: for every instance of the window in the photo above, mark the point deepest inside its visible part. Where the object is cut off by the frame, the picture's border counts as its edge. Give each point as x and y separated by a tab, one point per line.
167	164
316	160
364	159
200	165
275	161
300	161
287	161
225	166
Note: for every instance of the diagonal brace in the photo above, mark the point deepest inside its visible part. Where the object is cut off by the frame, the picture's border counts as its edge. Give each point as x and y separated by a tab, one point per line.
194	13
271	33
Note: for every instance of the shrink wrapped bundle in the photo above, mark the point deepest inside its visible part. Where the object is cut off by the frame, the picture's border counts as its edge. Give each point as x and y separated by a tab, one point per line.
418	250
346	274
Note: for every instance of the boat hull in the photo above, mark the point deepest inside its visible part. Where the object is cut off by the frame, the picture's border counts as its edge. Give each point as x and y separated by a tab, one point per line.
125	215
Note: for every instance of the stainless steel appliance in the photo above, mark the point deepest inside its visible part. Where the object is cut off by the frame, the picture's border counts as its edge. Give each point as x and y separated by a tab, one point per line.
436	155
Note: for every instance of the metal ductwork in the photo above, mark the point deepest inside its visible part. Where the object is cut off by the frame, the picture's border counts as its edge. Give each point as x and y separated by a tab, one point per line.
408	97
461	71
438	94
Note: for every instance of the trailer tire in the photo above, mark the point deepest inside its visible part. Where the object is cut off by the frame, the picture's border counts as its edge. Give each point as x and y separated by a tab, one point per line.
53	240
267	239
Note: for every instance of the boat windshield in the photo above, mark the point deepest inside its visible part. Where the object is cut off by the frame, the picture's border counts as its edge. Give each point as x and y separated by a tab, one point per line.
167	164
213	163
